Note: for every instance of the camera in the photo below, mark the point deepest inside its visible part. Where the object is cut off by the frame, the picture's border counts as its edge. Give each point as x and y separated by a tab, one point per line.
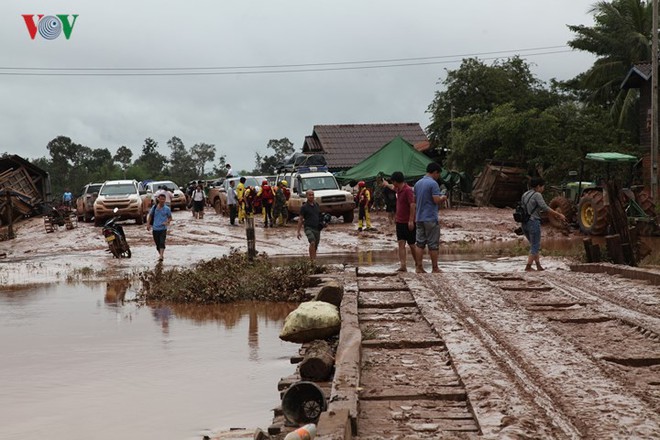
324	220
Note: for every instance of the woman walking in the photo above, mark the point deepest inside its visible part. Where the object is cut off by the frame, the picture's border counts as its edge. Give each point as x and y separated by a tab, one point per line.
198	201
534	204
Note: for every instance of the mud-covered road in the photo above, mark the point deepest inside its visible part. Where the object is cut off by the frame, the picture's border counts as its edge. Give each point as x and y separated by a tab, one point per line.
37	257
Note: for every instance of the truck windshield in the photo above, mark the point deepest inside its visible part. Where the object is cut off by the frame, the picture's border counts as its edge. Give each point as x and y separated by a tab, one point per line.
317	183
116	190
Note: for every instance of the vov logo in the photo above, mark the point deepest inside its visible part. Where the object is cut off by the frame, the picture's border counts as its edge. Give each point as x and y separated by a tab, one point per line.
49	26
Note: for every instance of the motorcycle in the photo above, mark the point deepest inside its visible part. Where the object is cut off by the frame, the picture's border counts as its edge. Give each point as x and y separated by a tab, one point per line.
114	235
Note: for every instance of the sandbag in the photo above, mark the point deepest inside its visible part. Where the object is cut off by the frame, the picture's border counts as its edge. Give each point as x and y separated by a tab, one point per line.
311	320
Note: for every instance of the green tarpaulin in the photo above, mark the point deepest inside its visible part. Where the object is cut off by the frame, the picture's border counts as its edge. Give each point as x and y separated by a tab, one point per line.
397	155
611	157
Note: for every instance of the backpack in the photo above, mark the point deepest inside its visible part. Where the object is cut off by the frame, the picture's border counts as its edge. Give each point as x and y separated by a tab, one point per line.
520	214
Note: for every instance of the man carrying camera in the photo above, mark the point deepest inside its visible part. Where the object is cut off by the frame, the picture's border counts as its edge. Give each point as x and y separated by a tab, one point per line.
310	215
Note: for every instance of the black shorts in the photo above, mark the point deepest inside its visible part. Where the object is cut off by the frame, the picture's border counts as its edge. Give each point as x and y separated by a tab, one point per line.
403	233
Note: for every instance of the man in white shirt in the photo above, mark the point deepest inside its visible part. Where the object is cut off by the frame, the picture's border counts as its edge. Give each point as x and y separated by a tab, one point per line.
168	195
230	171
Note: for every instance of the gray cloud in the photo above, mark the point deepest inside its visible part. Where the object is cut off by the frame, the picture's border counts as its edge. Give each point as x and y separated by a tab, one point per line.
239	113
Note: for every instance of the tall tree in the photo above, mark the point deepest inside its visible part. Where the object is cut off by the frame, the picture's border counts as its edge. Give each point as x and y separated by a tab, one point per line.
151	162
123	156
220	170
619	38
476	88
201	154
267	164
182	166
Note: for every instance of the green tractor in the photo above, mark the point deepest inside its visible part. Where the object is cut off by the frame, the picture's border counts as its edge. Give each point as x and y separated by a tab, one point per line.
586	203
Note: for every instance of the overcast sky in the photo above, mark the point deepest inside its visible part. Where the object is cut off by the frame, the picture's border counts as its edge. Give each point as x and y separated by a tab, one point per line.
239	110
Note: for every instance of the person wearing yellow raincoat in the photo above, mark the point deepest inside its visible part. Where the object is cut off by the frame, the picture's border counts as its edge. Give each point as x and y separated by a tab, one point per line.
364	198
240	196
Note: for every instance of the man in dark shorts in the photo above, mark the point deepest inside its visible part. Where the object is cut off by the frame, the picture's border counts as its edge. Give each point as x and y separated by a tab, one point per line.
404	218
310	215
427	200
159	218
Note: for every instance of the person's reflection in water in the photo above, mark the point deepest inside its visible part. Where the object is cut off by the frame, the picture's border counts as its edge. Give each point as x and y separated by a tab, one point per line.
162	314
253	335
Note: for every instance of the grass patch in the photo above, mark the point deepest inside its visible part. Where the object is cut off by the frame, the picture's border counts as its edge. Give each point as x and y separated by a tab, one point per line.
81	273
230	278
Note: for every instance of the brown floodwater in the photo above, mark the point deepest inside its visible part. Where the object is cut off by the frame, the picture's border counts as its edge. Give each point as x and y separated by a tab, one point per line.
78	363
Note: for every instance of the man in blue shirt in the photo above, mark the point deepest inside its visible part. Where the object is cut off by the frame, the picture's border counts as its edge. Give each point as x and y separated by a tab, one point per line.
159	219
427	200
67	197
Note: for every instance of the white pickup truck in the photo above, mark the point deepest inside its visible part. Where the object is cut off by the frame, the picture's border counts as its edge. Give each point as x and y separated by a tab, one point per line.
327	194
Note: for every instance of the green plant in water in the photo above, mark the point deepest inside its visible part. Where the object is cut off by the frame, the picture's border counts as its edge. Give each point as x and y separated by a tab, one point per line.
231	278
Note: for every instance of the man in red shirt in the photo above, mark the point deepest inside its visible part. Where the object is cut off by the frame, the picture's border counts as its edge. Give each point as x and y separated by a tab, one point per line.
404	217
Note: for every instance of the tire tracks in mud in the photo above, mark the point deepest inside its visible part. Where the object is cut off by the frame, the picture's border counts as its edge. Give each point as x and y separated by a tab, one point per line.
546	373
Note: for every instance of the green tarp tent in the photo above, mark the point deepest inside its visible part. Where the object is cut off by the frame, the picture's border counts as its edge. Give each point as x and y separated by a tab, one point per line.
397	155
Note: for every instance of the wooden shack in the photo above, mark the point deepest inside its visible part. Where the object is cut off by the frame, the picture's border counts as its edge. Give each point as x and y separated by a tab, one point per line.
500	185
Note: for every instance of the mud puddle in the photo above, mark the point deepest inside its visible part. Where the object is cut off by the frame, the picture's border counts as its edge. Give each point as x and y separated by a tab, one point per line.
78	363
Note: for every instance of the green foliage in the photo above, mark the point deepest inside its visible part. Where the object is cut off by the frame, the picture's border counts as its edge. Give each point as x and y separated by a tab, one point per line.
266	165
72	165
620	37
181	167
151	161
201	154
230	278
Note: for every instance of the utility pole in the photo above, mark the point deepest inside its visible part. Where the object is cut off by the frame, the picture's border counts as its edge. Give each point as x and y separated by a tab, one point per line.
654	104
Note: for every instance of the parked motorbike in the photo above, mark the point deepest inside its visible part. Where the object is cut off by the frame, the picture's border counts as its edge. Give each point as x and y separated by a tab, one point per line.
114	235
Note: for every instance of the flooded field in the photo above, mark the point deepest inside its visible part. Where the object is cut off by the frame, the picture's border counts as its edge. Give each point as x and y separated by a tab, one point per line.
79	364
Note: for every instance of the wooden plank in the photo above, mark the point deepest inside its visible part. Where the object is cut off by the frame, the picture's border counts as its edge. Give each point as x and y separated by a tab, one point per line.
414	392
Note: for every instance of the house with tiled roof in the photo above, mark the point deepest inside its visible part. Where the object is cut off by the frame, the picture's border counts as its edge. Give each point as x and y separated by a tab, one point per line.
346	145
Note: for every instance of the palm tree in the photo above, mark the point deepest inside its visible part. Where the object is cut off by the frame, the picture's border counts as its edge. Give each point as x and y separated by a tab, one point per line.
620	38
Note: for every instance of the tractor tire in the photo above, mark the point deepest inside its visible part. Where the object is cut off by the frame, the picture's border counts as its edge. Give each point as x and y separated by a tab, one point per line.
592	214
349	216
566	207
643	199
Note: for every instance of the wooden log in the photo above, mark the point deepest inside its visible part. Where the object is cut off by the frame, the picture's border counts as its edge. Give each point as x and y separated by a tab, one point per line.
614	250
251	238
588	250
331	292
595	253
318	362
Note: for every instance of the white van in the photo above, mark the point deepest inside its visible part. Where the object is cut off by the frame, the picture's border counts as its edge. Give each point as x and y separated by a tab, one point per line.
327	194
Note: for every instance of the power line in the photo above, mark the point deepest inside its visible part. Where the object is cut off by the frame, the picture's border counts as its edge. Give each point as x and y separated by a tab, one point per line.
284	68
280	66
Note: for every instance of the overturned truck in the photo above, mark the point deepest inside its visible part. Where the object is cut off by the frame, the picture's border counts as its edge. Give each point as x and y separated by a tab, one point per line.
26	188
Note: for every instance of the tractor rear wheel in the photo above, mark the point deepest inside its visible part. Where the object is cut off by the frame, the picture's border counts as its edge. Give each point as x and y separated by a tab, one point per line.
592	213
566	207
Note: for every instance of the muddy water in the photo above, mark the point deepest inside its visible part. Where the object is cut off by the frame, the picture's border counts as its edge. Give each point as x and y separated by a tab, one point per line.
79	364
